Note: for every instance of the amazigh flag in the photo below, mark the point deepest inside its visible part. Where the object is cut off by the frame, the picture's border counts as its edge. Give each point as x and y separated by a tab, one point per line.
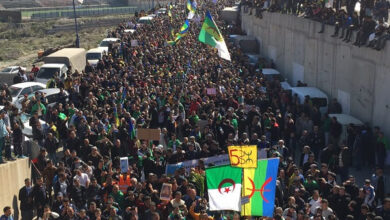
224	187
131	130
184	29
173	42
124	94
210	34
191	6
117	123
259	188
169	10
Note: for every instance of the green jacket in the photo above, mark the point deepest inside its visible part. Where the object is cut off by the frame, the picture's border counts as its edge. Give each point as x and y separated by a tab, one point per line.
35	108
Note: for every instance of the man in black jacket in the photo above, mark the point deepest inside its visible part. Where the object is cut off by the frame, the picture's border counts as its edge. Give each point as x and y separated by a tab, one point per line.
26	202
39	196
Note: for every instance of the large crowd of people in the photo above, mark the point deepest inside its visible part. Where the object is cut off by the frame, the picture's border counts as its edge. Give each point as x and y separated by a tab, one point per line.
156	85
366	20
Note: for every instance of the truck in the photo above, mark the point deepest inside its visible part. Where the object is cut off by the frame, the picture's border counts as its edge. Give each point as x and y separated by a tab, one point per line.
59	62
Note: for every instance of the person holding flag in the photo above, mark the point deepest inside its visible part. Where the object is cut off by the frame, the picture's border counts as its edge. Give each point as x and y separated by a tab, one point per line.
191	6
183	32
210	35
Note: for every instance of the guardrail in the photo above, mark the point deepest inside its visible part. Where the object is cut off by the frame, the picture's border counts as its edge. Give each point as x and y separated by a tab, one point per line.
84	12
86	24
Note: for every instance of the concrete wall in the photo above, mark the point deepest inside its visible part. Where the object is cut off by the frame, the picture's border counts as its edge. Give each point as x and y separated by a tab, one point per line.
10	16
12	175
358	77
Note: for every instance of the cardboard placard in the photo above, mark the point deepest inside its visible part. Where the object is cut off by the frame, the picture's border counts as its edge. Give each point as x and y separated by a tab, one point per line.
124	164
148	134
166	191
211	91
134	43
243	156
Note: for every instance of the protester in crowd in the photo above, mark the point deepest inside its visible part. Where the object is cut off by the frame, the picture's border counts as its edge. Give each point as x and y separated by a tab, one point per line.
155	85
7	214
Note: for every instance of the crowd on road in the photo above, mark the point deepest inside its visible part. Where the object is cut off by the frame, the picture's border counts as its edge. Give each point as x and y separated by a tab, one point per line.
367	19
156	85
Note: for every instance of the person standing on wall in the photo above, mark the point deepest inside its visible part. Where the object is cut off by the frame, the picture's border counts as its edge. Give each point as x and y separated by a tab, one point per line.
4	133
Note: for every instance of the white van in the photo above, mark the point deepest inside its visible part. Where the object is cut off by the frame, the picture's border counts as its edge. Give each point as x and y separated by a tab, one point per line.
106	41
145	20
345	120
285	86
318	97
271	74
48	71
94	55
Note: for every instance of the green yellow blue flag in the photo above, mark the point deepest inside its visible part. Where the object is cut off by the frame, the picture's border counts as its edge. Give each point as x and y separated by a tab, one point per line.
131	131
184	29
210	34
259	186
117	123
183	32
191	6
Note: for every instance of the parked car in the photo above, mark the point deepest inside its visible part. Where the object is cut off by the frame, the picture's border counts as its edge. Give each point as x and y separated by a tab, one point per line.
51	95
131	31
18	90
8	74
12	70
145	20
346	120
27	130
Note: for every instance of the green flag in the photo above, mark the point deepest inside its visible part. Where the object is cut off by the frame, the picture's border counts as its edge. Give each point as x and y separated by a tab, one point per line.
210	34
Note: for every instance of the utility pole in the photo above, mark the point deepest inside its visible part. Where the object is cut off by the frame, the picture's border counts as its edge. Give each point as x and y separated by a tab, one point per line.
75	25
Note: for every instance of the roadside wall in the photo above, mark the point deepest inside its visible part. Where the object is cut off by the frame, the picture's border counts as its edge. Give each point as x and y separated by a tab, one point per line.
10	16
358	77
12	175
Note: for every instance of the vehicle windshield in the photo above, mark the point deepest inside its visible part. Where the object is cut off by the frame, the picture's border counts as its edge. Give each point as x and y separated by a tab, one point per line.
24	118
321	102
14	91
144	21
105	43
94	56
7	70
47	73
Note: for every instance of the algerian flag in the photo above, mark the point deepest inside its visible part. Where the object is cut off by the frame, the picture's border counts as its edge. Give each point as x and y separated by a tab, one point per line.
224	188
210	34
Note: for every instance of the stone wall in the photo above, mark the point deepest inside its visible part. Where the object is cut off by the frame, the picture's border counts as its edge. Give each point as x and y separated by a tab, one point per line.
12	175
358	77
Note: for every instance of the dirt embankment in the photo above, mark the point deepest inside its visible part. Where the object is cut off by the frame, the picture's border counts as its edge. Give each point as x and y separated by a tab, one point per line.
20	43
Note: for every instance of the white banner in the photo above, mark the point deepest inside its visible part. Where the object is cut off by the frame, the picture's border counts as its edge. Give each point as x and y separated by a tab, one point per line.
215	160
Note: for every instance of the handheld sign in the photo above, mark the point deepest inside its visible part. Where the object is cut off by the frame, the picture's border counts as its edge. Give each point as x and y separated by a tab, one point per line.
166	191
124	164
243	156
